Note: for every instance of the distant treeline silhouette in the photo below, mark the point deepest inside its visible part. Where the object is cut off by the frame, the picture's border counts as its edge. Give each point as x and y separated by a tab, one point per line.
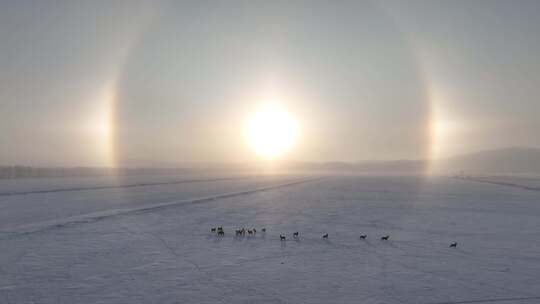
12	172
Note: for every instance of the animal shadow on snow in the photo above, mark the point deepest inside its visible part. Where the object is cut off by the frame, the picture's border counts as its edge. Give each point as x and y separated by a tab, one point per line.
215	238
328	241
391	243
238	238
367	242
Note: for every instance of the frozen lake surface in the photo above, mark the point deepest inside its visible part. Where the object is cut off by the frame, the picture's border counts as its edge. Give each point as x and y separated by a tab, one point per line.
147	240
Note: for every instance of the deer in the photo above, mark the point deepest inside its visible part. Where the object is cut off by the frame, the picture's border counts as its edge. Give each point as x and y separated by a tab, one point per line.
282	237
325	236
296	234
454	245
363	236
385	238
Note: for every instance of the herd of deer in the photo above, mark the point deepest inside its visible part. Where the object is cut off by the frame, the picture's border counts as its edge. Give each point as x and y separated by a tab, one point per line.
296	235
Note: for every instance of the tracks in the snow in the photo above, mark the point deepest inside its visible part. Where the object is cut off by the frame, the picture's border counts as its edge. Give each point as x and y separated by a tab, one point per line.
96	216
74	189
499	183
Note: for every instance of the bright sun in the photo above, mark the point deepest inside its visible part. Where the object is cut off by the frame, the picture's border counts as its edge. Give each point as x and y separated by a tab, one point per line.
271	131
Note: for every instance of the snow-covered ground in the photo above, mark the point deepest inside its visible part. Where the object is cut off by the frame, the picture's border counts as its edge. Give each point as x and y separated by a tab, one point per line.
152	244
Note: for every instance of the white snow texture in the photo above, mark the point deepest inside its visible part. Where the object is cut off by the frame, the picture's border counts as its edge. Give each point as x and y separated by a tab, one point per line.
147	239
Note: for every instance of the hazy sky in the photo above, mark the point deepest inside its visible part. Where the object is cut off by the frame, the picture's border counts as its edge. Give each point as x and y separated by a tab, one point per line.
116	83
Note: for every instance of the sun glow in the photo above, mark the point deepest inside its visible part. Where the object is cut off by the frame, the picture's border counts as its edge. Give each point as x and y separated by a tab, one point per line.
444	126
271	131
99	126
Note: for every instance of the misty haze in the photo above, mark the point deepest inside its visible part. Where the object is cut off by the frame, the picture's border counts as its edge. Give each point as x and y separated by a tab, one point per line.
270	151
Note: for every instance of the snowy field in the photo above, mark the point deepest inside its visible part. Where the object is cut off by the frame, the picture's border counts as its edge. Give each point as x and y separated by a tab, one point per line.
147	240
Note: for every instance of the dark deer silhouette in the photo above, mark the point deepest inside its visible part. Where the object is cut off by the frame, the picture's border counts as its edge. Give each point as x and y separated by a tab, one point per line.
263	230
250	232
213	230
385	238
282	237
221	233
454	244
363	236
325	236
296	234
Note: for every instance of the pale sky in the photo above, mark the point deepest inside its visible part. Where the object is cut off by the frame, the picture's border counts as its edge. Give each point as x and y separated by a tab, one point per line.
105	83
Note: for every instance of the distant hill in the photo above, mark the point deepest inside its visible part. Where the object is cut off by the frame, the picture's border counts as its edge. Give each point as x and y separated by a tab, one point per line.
510	161
364	167
515	160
